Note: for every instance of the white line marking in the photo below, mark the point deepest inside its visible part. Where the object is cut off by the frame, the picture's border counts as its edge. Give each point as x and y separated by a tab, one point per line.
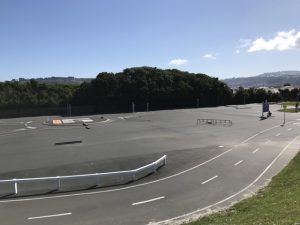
238	162
290	129
49	216
147	201
29	127
32	128
296	123
142	184
237	193
221	146
21	129
209	180
277	135
255	150
267	141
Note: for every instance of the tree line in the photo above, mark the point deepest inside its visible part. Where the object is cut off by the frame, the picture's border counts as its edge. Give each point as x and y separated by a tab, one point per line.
115	92
15	94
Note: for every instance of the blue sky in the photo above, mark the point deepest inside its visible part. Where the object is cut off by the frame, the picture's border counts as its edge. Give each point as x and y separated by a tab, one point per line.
231	38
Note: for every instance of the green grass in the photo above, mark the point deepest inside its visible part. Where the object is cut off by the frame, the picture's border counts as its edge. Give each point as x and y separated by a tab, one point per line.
289	110
289	103
277	204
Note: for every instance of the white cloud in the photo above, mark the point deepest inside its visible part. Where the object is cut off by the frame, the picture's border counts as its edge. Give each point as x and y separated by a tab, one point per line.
281	42
210	56
178	62
244	43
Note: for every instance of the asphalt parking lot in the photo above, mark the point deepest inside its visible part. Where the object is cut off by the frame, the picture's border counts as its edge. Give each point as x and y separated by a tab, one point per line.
208	166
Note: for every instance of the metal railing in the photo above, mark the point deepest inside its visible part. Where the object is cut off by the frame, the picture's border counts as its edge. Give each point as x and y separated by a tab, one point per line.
42	185
214	122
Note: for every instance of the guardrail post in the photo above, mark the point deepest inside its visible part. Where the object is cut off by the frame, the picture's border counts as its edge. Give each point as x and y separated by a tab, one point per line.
134	176
58	183
165	161
154	167
15	187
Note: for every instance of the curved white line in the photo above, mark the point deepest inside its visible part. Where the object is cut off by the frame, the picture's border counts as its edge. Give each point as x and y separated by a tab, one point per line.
99	124
231	196
138	185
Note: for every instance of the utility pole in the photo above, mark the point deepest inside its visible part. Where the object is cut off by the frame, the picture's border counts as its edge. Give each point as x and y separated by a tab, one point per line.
147	106
197	102
133	107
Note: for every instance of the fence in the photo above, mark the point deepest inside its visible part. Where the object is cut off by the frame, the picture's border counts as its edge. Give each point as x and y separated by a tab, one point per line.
214	122
43	185
47	111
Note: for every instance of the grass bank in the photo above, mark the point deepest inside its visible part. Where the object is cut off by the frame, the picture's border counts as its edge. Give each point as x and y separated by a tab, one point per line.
277	204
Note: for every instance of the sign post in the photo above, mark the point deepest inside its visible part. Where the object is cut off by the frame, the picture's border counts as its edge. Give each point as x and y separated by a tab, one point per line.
284	109
265	108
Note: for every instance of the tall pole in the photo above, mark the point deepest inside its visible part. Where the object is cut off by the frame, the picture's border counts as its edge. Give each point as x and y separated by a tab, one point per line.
284	108
133	107
147	106
197	102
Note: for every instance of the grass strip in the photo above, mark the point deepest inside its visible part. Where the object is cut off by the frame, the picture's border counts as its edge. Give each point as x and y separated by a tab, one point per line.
289	110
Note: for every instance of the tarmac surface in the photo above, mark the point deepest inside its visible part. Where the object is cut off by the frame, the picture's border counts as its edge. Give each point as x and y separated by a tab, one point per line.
209	166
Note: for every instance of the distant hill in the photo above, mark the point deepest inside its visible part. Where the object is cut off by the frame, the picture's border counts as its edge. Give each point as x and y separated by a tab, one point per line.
275	79
58	80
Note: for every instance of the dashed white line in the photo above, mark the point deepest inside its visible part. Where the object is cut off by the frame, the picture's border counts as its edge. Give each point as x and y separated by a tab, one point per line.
49	216
239	162
168	221
204	182
255	150
221	146
290	129
277	135
147	201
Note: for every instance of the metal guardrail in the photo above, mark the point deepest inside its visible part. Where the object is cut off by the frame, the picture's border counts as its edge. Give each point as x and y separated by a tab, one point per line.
214	122
76	182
